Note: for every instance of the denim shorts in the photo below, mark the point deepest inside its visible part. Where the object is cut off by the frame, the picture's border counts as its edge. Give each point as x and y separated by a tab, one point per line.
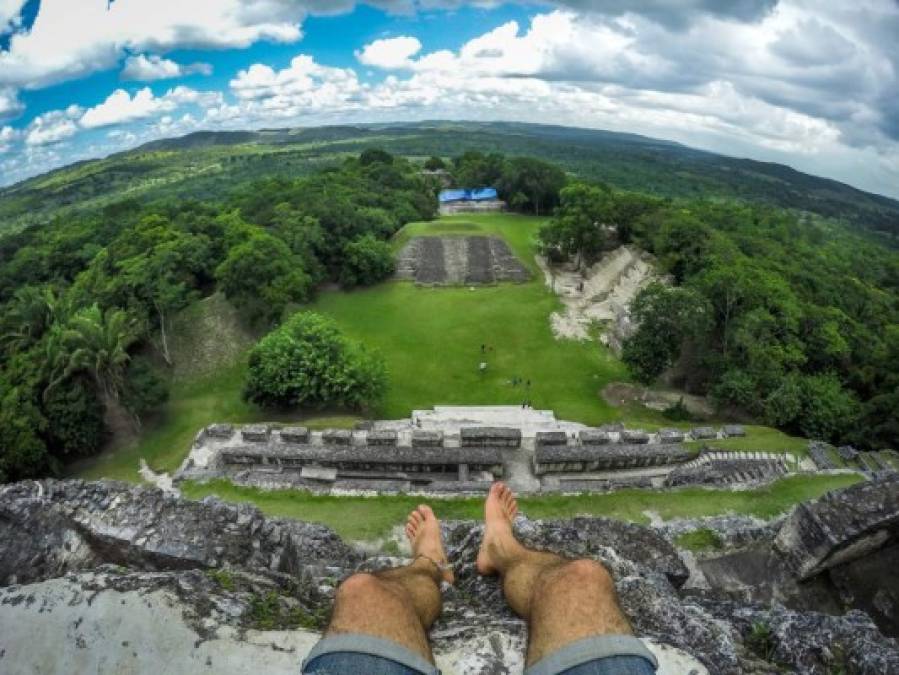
353	654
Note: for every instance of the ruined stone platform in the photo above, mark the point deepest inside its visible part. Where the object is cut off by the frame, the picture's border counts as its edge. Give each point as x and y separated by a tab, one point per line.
127	579
461	450
458	260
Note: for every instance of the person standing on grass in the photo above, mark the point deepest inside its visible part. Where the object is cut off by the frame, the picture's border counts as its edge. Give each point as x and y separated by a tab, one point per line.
380	621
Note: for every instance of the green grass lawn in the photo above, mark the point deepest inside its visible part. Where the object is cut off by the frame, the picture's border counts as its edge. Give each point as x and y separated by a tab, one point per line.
699	540
761	439
192	405
431	337
370	518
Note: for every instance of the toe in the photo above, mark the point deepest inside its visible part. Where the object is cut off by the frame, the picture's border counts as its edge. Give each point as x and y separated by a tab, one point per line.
425	511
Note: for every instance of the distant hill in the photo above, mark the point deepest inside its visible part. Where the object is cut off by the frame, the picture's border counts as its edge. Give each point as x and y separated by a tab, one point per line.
207	164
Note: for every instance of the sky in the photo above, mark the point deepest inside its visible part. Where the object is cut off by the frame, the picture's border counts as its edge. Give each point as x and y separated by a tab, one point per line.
809	83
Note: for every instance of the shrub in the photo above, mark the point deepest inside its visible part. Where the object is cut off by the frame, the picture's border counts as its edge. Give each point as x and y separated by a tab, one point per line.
366	261
308	362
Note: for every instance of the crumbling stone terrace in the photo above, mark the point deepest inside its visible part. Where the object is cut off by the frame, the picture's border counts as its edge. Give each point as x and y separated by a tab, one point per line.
375	455
459	260
841	526
578	458
448	450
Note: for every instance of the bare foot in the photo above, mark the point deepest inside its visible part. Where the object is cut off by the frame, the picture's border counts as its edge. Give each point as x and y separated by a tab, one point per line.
423	531
499	543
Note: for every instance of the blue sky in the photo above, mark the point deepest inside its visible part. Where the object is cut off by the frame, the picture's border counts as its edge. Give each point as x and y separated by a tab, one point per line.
788	81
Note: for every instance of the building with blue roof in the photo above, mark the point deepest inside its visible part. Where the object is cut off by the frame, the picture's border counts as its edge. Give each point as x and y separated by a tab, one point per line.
461	200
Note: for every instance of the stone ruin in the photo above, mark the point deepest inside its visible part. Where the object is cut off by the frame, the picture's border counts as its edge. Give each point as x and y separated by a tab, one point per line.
121	578
464	449
841	526
260	454
827	458
601	295
457	260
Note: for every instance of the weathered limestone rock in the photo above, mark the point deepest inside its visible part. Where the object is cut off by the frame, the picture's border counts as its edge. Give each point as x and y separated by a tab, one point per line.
220	430
726	472
671	436
382	438
594	437
119	578
427	439
810	642
337	437
574	458
494	437
634	436
256	433
733	430
818	453
53	527
703	433
841	526
551	438
459	260
847	452
295	435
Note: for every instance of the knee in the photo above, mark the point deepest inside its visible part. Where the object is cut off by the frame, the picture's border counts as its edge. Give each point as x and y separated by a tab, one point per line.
360	584
586	572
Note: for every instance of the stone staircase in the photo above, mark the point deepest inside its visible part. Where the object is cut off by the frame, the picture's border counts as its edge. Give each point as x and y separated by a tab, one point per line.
709	456
731	468
602	294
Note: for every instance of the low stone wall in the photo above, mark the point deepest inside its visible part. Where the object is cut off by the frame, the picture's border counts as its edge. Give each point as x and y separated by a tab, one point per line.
581	458
399	455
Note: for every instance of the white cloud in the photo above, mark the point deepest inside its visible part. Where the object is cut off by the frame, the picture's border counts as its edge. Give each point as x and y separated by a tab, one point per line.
7	136
9	14
120	107
9	103
72	39
52	127
304	85
154	67
390	53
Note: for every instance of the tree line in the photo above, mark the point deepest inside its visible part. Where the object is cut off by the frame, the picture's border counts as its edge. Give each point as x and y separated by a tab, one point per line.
526	184
789	317
86	303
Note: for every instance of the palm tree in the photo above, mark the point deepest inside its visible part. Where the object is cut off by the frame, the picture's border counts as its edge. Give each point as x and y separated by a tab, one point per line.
34	310
95	343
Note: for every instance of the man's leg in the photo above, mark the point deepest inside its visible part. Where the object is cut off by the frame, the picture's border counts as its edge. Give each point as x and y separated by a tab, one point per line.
562	600
398	604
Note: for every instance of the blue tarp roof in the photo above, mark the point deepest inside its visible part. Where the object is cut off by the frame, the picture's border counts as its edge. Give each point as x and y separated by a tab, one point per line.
467	195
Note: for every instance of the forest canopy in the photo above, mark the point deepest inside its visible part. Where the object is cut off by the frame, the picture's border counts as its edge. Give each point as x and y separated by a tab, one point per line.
786	316
86	303
790	318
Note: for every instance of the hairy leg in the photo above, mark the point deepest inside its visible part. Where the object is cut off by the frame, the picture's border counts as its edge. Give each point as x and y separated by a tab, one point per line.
398	604
562	600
